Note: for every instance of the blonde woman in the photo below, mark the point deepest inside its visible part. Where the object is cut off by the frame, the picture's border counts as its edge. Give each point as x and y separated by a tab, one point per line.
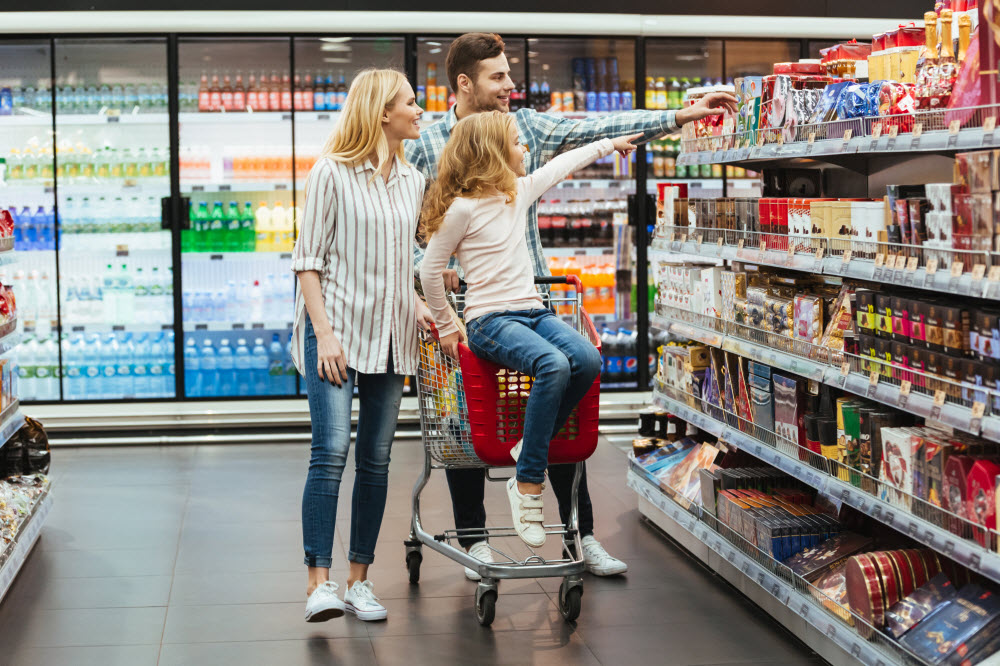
477	209
356	319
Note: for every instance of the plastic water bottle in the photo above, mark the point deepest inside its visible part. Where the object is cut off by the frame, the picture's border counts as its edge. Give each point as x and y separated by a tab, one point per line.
73	362
243	369
27	370
290	371
48	370
29	230
192	369
91	376
107	382
276	367
256	304
157	380
125	367
126	295
259	367
143	380
209	370
232	309
168	363
226	365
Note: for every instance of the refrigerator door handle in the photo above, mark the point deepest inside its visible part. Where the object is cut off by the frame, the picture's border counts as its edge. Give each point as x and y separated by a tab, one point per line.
166	216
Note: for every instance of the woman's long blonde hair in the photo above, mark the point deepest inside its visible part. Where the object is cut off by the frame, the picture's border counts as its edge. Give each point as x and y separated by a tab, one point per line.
359	131
473	164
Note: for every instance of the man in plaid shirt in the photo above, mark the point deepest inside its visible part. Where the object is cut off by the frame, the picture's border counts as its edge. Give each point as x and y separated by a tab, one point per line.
480	78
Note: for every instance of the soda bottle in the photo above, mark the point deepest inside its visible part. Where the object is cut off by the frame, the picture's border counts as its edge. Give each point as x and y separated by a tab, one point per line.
233	228
259	365
533	96
215	94
239	94
630	362
226	96
545	97
262	227
675	94
331	94
286	92
253	101
247	231
612	356
274	93
341	91
319	95
661	93
215	235
263	93
276	367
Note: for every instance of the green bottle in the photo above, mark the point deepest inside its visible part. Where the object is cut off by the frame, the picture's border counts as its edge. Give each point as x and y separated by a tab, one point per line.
233	231
248	229
199	227
674	94
215	240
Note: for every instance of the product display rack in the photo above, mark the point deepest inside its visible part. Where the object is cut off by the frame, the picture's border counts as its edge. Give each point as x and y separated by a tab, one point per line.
827	476
17	552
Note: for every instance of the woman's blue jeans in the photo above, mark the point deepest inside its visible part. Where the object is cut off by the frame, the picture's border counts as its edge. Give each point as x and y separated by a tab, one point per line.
330	411
563	363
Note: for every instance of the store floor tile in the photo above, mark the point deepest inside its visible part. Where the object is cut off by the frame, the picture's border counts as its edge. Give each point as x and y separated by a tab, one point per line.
193	555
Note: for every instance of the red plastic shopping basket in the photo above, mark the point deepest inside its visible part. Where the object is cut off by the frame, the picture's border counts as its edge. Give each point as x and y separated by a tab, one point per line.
496	398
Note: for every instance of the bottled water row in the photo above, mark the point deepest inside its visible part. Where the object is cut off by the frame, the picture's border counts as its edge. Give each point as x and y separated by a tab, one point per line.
112	366
105	215
122	296
242	301
83	97
239	371
34	231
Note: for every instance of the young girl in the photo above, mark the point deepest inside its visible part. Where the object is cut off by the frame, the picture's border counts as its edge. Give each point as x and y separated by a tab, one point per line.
356	319
477	209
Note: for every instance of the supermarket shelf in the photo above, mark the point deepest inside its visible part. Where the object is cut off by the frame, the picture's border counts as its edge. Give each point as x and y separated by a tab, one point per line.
234	256
17	552
842	141
11	420
10	337
941	280
238	326
597	183
800	613
115	328
579	251
958	416
245	186
147	186
965	552
73	119
9	256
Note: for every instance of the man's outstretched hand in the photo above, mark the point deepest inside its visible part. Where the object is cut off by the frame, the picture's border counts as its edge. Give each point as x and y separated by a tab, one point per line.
712	104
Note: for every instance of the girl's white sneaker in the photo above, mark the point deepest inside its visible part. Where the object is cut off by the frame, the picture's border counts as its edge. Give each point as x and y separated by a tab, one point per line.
324	604
360	599
526	510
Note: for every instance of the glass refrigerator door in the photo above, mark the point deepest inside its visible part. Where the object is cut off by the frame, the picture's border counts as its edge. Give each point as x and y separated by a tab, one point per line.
673	67
325	67
26	196
116	281
235	104
583	221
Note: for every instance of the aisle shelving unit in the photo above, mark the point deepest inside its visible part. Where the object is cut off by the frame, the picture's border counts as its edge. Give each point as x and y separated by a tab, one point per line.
789	599
865	148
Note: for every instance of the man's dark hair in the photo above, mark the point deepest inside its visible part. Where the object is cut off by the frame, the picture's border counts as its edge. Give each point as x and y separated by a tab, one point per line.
466	52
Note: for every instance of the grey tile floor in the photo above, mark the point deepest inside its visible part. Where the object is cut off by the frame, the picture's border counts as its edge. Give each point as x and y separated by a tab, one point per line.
192	555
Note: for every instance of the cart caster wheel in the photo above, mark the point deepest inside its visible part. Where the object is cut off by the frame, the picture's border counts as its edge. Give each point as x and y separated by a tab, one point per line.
486	607
570	601
413	560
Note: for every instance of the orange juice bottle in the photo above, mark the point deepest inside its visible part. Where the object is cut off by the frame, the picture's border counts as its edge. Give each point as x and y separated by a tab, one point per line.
589	277
572	267
558	291
606	290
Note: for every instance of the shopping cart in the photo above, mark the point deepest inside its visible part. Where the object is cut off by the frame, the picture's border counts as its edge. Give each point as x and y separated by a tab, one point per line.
471	416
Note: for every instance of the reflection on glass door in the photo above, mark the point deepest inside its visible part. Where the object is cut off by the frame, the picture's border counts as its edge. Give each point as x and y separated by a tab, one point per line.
116	279
236	98
583	221
27	215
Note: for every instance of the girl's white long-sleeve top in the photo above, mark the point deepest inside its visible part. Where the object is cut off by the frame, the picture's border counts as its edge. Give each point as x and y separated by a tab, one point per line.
487	235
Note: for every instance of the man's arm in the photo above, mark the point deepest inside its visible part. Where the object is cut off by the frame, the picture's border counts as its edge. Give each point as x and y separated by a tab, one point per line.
560	134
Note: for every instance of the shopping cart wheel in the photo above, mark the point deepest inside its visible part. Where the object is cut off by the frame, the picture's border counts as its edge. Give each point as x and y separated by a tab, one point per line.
570	600
413	560
486	602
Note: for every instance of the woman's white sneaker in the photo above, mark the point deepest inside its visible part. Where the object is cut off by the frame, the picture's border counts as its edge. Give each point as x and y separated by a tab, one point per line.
324	604
598	561
526	511
360	599
481	551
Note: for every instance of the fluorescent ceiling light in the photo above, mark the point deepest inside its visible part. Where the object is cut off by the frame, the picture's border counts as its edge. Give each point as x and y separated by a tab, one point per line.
334	40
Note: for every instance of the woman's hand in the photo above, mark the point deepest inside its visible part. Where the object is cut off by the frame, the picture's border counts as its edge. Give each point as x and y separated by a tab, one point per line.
449	344
331	361
625	144
425	321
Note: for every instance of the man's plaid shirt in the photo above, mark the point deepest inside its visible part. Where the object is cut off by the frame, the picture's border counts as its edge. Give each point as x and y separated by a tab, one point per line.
546	136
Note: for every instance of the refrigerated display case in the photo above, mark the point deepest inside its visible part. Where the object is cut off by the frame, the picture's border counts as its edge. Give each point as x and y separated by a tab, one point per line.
90	143
27	194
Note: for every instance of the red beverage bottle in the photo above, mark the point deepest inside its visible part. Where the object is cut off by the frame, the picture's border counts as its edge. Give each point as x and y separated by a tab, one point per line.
215	94
227	93
274	93
297	100
307	93
204	101
252	100
239	94
263	94
286	93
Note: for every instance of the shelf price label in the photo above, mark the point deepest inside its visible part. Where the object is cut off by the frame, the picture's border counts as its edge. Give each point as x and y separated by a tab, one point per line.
876	132
953	127
812	138
879	263
893	131
740	244
989	125
819	260
872	383
978	271
957	268
932	266
904	393
848	134
939	398
918	130
701	237
763	247
978	411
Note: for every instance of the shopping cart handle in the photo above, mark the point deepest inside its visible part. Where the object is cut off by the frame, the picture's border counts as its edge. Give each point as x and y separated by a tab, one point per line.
560	279
434	333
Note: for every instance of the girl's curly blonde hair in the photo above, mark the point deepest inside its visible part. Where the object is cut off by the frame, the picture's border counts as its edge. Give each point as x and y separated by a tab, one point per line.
473	164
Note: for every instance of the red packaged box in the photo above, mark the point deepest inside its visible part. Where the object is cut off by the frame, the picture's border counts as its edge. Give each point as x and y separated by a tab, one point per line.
811	68
910	35
891	39
989	61
782	68
878	42
981	502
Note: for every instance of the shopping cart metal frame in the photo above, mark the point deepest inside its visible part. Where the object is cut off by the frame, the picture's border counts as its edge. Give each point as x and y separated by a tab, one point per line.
569	567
